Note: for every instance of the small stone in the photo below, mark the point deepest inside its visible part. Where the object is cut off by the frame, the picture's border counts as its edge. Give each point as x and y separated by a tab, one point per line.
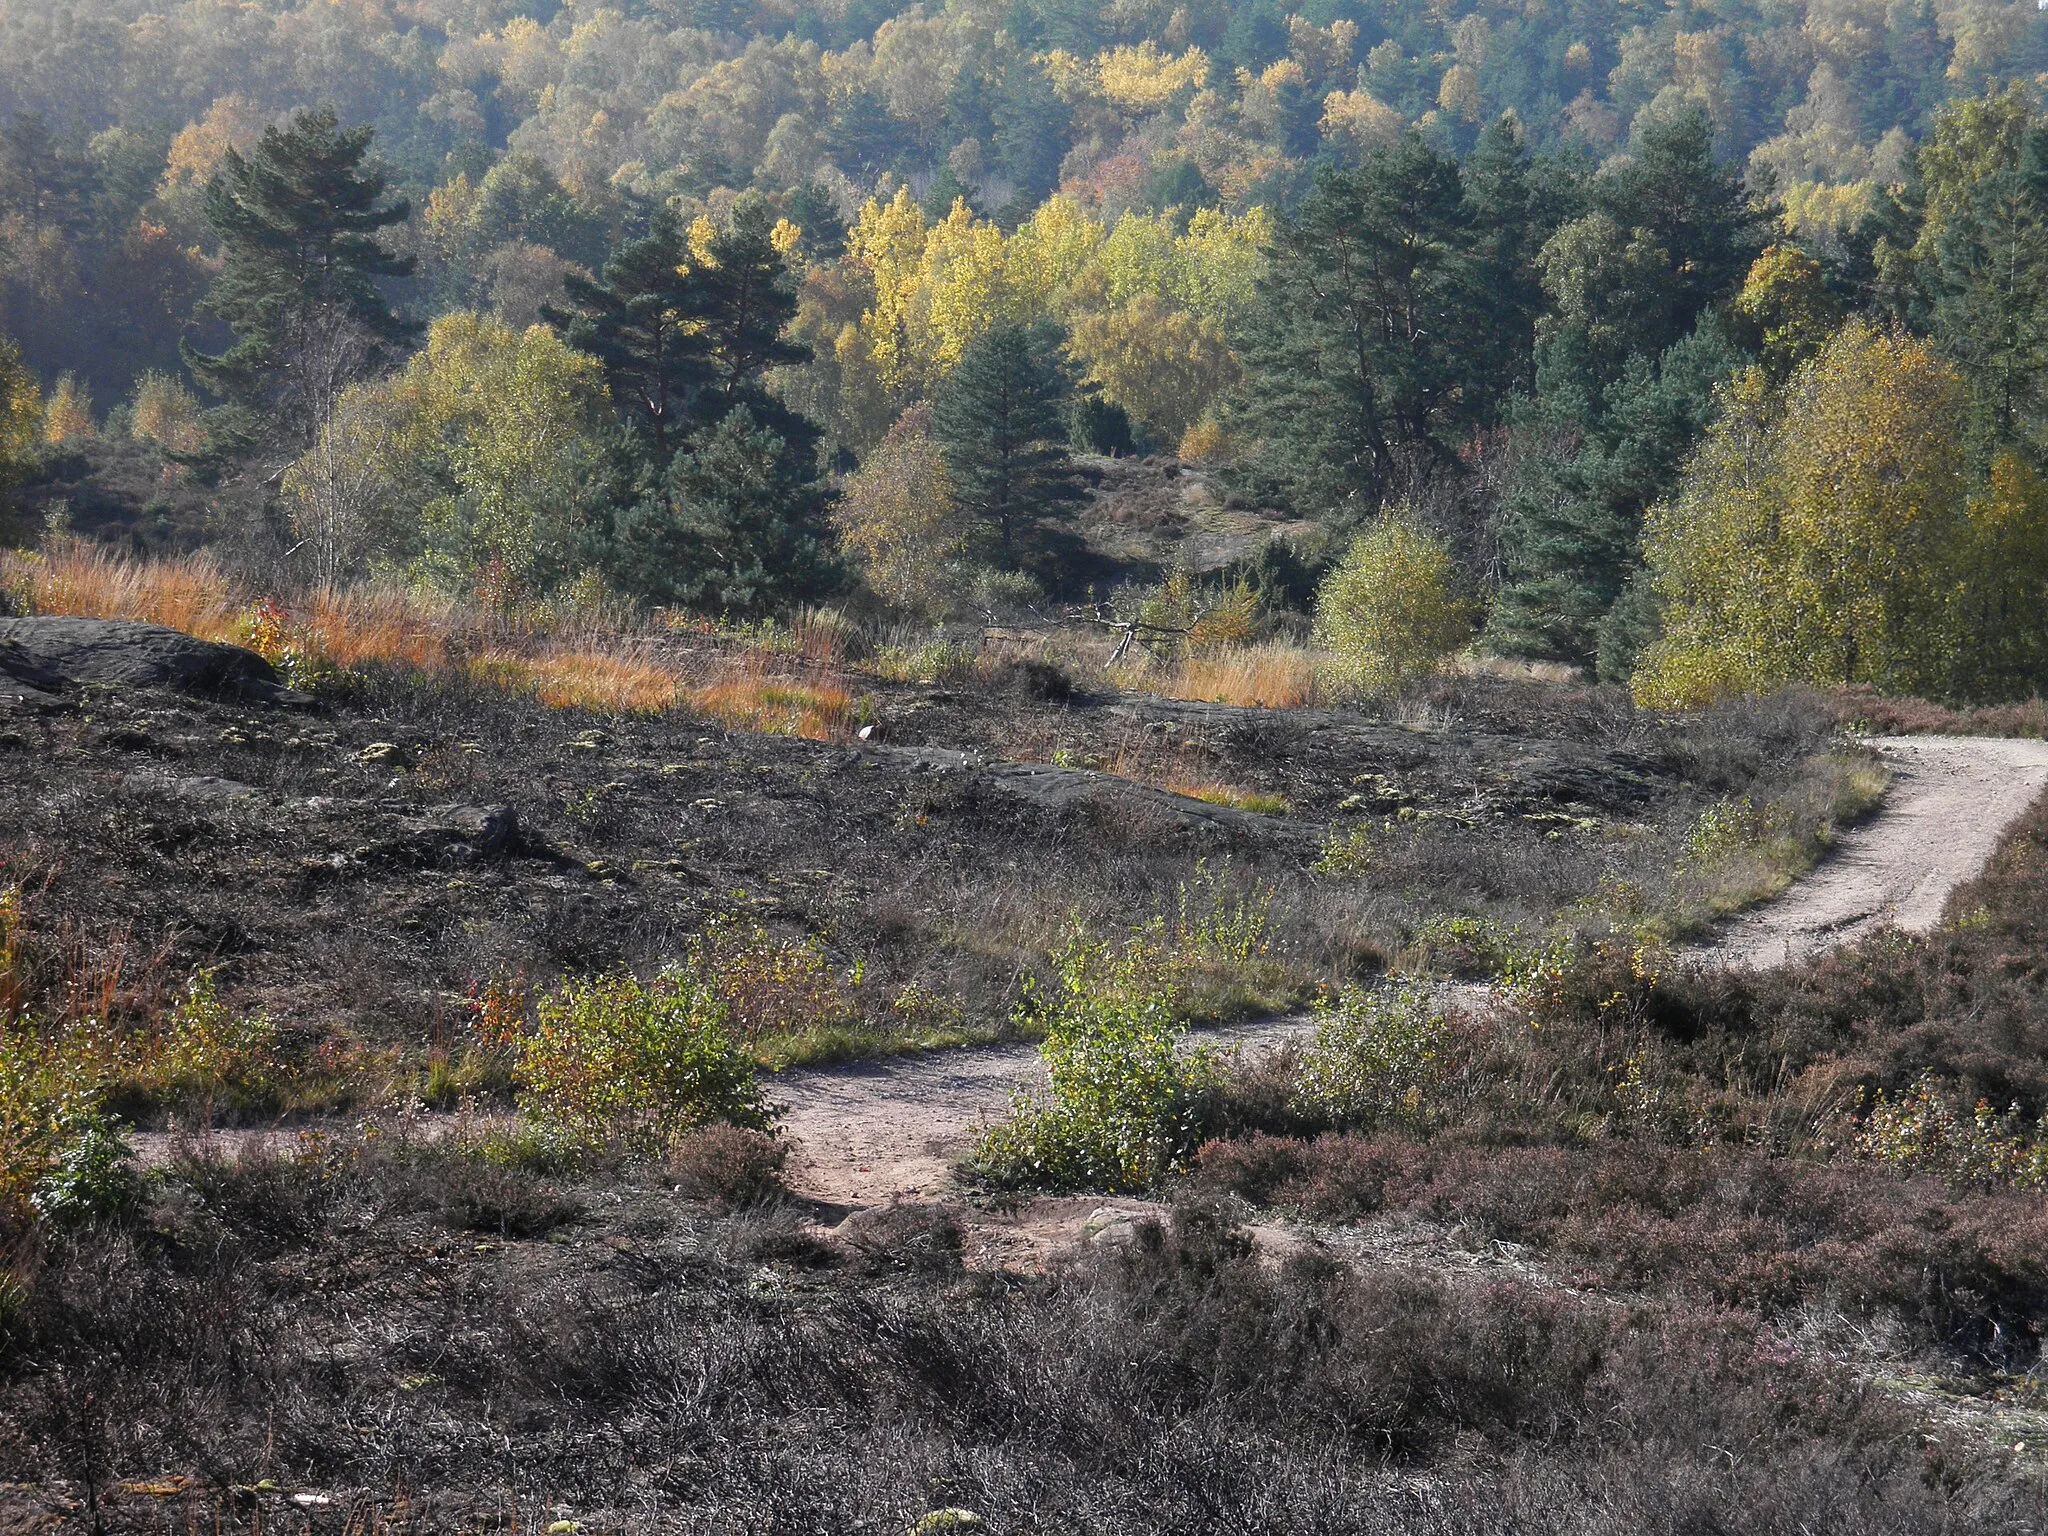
387	752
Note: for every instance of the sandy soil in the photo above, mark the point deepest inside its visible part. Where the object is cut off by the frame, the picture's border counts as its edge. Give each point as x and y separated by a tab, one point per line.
1951	799
880	1131
875	1131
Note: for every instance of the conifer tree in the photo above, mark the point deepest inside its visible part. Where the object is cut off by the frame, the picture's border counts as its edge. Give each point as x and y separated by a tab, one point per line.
638	320
1001	421
301	268
1362	339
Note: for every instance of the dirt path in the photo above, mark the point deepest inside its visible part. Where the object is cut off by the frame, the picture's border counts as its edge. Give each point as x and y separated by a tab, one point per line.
881	1130
1951	799
876	1131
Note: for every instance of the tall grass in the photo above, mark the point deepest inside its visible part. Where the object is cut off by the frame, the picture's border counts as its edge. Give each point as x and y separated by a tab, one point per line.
70	576
567	657
1270	676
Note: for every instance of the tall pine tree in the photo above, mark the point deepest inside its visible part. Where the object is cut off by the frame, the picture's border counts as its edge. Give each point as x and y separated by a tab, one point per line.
301	269
1365	336
1000	419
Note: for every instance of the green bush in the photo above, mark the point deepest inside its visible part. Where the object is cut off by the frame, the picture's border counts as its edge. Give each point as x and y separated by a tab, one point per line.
615	1062
1390	611
1125	1107
88	1178
1378	1058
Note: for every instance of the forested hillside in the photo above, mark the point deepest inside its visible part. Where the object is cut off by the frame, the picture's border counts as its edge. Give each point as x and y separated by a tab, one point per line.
732	307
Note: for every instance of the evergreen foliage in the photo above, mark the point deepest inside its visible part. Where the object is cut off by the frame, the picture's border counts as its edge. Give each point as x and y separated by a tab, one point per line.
1001	421
301	268
1366	329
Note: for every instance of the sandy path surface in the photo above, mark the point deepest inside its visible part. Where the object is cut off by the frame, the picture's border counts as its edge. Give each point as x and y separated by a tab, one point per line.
880	1130
876	1131
1951	799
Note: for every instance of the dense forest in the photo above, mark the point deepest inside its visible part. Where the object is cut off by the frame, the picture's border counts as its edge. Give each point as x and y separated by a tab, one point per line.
1706	345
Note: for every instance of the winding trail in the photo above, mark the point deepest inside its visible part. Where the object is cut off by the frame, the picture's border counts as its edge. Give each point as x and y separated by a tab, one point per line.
1951	800
875	1131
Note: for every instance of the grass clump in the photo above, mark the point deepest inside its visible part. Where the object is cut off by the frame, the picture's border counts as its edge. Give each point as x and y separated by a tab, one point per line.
1126	1103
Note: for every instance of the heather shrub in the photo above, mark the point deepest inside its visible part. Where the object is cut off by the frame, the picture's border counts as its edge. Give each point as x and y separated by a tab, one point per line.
729	1167
1125	1105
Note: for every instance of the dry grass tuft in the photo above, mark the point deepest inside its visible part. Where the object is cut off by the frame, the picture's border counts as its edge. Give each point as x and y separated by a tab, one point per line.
1266	676
599	681
744	694
564	660
71	576
1236	796
381	624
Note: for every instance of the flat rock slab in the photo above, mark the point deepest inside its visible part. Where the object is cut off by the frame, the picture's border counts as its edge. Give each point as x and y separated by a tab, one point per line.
1951	800
47	653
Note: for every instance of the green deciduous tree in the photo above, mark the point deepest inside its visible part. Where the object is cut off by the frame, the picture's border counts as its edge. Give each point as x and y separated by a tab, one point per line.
899	518
471	462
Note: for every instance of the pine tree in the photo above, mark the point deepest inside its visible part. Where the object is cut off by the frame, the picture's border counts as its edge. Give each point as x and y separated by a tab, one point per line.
738	525
1990	282
1507	227
1356	360
639	320
1001	421
743	299
1574	517
301	266
1692	208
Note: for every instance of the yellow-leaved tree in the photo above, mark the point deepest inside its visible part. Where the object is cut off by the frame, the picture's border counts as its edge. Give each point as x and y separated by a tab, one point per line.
1390	611
1164	366
899	519
1148	305
1831	534
483	434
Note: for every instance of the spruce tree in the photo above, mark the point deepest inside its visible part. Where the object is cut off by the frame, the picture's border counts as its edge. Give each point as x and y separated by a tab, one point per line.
301	270
1001	422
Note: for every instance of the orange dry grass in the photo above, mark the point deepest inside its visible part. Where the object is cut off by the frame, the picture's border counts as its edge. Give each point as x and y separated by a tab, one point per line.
600	681
380	624
748	697
189	592
1269	676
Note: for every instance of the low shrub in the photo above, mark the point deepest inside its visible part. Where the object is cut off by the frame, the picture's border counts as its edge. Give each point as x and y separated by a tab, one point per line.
905	1236
480	1195
1927	1129
728	1167
1380	1057
1125	1106
611	1062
